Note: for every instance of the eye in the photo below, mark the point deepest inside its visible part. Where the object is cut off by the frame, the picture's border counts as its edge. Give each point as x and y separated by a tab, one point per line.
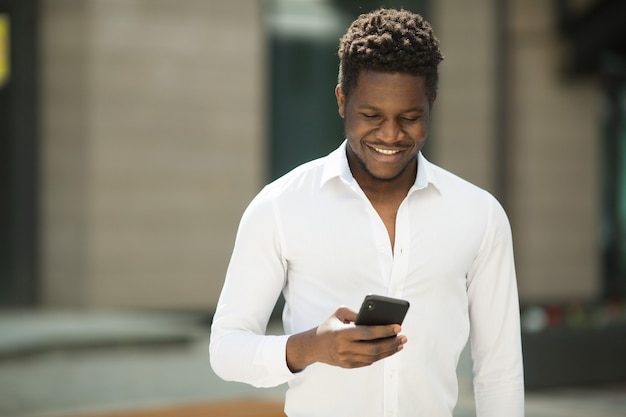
409	119
370	115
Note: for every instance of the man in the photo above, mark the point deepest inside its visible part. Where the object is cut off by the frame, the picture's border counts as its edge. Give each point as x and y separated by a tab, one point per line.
375	216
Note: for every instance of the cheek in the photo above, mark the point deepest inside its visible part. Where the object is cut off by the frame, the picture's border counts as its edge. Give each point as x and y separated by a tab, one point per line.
420	131
356	128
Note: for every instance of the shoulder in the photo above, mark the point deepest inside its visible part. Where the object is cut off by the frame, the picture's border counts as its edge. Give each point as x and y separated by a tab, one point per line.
301	179
466	197
296	185
454	186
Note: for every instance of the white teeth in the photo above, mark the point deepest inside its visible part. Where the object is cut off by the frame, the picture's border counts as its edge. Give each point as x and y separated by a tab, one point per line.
386	151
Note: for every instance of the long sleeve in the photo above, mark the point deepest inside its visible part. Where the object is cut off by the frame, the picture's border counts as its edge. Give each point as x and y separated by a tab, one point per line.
494	323
239	349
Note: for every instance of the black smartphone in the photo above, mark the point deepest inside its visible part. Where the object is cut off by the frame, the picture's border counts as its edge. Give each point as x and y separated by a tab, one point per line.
380	310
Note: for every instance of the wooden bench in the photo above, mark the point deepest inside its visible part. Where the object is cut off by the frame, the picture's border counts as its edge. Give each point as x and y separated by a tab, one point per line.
233	408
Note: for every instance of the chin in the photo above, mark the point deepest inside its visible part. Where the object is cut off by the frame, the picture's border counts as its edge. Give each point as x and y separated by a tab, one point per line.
384	177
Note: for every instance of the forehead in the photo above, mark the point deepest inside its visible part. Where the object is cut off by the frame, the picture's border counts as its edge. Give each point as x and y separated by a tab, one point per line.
389	87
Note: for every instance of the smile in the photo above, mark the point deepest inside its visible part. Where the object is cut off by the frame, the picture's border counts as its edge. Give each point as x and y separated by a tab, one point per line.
386	151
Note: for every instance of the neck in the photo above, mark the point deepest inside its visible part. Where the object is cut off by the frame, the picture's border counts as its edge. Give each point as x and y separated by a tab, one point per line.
379	189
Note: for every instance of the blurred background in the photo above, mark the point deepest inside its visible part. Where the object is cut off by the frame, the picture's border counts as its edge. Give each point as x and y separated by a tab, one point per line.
133	133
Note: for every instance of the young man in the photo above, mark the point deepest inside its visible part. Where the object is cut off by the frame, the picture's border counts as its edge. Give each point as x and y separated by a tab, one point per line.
375	216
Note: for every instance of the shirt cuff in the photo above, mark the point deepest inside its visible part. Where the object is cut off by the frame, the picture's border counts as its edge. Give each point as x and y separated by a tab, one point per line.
271	360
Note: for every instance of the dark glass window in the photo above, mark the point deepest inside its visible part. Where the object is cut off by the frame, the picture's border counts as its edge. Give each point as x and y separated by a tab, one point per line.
614	176
302	40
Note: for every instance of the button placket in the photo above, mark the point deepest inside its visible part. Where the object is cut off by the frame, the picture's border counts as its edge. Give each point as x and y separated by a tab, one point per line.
391	385
400	265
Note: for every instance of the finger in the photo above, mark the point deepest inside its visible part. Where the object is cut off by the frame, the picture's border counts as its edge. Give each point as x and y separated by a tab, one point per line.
379	348
369	352
386	347
377	332
355	364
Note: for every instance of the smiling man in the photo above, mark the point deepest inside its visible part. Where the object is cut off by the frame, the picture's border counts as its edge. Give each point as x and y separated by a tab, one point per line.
375	216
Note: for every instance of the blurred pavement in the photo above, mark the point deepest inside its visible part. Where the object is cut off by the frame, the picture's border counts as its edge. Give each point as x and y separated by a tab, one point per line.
62	363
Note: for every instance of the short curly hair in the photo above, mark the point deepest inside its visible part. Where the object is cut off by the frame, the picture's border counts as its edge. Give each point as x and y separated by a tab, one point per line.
389	40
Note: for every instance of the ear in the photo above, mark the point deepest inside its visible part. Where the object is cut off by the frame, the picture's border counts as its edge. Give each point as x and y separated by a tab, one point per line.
341	101
431	101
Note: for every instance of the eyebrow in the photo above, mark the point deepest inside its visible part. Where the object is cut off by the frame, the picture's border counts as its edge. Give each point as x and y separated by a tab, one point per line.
374	108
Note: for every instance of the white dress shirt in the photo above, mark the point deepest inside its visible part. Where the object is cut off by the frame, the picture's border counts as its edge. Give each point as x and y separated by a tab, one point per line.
314	235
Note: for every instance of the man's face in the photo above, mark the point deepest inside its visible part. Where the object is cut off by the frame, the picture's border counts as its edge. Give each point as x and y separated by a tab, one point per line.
386	123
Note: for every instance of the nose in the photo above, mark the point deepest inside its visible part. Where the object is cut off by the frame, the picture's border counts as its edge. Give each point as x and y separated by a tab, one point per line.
389	130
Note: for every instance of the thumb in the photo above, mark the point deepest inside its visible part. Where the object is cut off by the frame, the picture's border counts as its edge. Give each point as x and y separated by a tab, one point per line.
345	315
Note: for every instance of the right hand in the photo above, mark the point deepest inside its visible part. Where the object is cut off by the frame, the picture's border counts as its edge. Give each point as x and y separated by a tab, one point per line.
338	342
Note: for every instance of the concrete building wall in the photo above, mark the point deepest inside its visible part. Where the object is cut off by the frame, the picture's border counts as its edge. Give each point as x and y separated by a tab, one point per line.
153	121
556	154
152	145
463	111
553	173
64	151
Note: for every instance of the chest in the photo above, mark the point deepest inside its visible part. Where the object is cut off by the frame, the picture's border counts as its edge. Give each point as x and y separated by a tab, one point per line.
342	253
352	242
388	214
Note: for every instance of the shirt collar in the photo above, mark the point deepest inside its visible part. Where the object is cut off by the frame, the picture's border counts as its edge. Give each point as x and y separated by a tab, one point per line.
425	174
336	165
